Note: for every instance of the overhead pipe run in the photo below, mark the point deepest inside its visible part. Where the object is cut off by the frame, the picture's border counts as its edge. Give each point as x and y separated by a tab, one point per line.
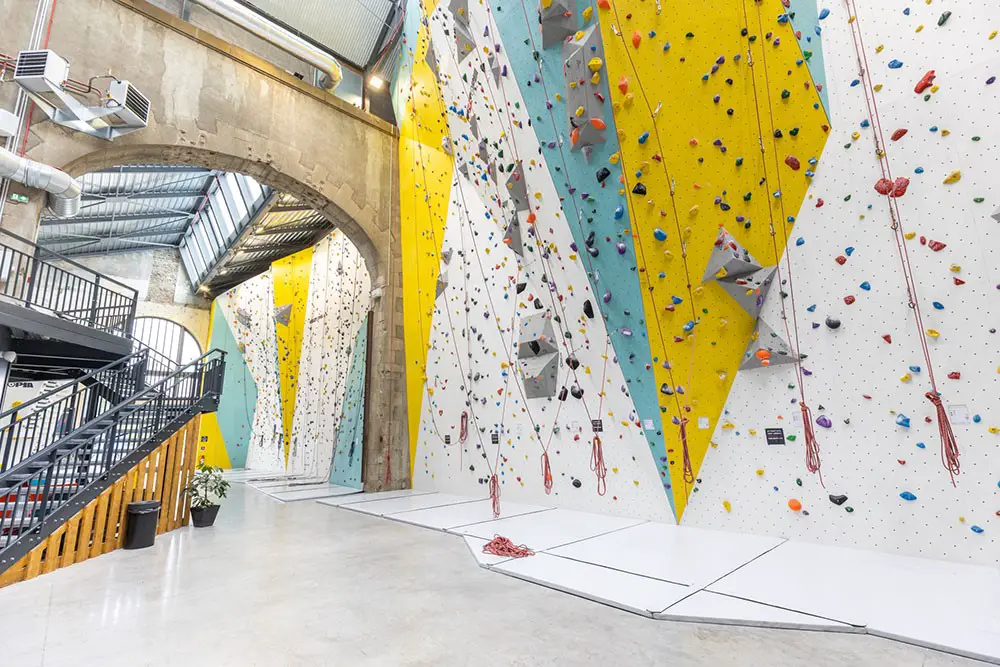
63	190
253	22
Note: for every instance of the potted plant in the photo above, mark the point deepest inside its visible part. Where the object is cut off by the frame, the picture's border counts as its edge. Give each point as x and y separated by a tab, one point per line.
207	486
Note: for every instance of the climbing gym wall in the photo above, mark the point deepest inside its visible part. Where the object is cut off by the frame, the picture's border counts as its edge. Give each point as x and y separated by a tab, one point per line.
683	223
921	113
290	335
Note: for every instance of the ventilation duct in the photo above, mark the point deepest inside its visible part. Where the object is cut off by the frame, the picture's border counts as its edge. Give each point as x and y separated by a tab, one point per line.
253	22
64	190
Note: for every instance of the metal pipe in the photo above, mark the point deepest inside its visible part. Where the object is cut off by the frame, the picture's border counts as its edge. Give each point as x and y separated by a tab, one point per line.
253	22
64	191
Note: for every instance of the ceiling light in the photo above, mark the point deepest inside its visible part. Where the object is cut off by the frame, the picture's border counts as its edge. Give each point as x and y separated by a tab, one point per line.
375	82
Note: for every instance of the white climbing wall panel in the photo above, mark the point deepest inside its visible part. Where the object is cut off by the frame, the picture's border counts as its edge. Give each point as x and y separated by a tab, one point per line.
479	312
860	382
249	310
339	300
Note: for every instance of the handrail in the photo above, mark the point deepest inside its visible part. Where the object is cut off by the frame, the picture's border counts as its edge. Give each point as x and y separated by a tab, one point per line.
48	481
75	402
85	299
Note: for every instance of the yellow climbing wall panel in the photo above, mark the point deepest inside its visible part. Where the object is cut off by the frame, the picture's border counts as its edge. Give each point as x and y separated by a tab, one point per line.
425	176
688	82
291	292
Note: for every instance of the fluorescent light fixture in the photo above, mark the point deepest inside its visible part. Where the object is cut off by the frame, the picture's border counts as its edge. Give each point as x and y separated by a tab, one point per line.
376	82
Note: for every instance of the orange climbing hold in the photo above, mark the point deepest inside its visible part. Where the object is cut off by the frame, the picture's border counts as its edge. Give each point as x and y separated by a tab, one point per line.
598	124
574	136
603	4
636	39
623	84
794	505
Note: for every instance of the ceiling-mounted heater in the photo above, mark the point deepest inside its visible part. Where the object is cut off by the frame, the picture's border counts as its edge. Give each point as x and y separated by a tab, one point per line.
43	74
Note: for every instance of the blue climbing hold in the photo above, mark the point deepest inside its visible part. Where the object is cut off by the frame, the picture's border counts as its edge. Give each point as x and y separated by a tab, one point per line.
677	300
895	64
938	305
903	420
921	445
918	170
659	234
975	420
800	241
812	308
619	212
914	369
866	286
906	12
849	250
977	530
855	83
906	495
823	13
643	137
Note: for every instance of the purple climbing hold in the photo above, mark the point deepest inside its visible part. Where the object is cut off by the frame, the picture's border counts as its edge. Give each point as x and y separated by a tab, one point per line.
607	296
824	421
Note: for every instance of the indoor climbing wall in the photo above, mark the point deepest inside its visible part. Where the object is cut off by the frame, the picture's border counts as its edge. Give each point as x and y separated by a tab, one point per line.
290	335
913	145
249	311
346	468
524	389
226	433
339	298
425	179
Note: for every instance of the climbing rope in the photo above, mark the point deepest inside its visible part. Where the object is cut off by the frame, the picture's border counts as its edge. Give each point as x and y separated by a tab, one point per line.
502	546
949	444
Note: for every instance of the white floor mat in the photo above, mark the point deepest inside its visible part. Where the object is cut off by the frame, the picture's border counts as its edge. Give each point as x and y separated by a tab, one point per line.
407	503
546	530
706	607
463	514
370	497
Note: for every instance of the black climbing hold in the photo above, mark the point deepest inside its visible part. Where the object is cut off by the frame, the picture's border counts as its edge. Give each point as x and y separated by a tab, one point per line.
572	362
639	189
602	174
521	287
562	394
833	322
838	500
588	309
577	483
576	392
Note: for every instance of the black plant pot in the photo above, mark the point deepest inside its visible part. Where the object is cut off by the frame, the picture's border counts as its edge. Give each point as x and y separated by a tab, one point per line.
204	516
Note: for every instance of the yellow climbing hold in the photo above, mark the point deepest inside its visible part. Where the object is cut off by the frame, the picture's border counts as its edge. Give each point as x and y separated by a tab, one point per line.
954	268
993	34
920	27
909	236
693	211
878	87
953	177
760	472
994	429
588	13
615	158
727	505
855	135
933	333
906	378
595	64
596	78
579	111
878	49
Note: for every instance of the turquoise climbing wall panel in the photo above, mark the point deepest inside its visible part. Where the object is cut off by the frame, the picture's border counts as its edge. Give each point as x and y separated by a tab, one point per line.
804	16
346	470
239	393
592	204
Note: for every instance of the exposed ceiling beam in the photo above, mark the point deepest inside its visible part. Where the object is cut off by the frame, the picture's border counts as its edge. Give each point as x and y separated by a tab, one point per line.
152	194
218	264
291	229
289	208
153	169
141	234
132	217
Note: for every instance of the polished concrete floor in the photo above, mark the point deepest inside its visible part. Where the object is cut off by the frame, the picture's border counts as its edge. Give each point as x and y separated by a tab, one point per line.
277	584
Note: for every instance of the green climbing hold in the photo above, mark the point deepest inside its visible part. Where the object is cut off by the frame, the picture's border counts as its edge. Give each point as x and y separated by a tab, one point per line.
847	198
747	196
848	509
976	138
798	481
979	200
785	94
806	55
791	438
690	35
739	162
944	18
794	132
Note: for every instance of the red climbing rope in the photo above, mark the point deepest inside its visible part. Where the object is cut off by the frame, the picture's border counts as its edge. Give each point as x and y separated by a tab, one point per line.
463	432
812	445
598	466
688	468
495	495
949	445
546	472
502	546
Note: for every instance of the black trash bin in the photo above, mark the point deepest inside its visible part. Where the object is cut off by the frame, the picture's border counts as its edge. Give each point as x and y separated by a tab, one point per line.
140	529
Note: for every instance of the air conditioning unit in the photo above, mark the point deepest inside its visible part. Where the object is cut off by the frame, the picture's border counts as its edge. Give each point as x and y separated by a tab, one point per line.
42	75
40	71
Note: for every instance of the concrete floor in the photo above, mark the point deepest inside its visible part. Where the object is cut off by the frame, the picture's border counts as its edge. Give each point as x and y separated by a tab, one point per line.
307	584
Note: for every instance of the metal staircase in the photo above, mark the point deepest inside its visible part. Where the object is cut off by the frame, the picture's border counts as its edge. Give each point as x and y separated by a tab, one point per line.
109	400
56	459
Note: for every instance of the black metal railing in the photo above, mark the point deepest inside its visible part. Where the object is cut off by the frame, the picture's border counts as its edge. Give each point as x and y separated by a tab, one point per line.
74	292
46	482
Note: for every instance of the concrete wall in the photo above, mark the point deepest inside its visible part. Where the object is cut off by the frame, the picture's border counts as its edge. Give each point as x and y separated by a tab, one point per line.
216	105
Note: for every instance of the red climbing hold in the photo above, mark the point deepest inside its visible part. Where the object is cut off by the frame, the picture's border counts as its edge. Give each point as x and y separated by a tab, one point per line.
899	187
923	240
954	375
901	462
958	281
819	202
623	84
925	82
937	245
899	134
883	186
636	39
887	338
603	4
793	162
841	260
849	299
